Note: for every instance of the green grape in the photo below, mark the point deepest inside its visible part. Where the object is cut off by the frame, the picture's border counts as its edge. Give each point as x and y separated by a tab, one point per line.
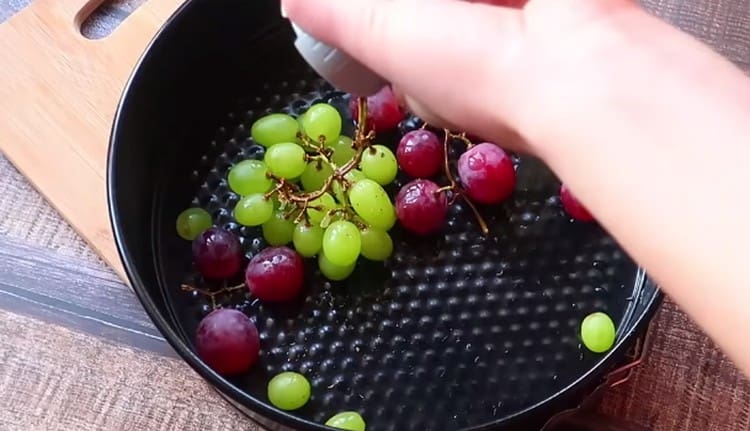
286	160
598	332
274	129
278	230
350	421
342	243
371	202
326	203
307	239
253	210
342	150
379	164
248	177
376	244
321	120
192	222
354	175
289	390
332	271
315	175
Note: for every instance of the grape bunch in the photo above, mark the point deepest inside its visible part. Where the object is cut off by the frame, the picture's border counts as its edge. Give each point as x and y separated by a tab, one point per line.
319	190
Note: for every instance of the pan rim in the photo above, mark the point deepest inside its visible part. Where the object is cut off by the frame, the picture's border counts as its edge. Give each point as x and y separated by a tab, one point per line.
225	387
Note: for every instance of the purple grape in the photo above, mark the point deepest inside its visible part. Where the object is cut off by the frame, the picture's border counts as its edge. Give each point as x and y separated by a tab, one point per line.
217	254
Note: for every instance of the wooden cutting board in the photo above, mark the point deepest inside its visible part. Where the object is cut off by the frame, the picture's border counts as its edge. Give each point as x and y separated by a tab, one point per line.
58	96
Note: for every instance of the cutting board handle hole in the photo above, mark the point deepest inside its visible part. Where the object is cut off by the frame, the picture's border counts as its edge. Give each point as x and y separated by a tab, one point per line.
103	20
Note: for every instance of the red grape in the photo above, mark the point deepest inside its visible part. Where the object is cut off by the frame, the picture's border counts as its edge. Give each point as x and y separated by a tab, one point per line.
383	110
227	341
573	207
421	207
487	173
420	154
217	253
275	274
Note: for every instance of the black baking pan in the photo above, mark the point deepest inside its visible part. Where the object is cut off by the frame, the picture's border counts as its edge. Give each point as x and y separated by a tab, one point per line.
458	331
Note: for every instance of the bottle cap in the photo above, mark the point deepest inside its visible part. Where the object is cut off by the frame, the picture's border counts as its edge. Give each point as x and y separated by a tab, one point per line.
337	67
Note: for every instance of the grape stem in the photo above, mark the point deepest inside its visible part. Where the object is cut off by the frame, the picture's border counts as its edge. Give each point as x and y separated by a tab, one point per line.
210	294
453	184
289	193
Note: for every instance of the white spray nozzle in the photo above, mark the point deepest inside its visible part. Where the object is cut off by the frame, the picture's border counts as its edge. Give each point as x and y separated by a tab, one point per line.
336	67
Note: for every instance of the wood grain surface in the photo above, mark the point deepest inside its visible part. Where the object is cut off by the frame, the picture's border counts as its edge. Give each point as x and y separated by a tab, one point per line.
79	353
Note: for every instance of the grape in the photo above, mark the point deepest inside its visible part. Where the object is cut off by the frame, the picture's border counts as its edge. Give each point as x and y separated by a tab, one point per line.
371	202
350	421
342	150
354	175
420	154
315	175
227	341
376	244
274	129
420	207
285	160
307	239
253	210
289	390
275	274
192	222
278	230
326	203
383	111
217	253
573	206
379	164
342	243
487	173
598	332
332	271
248	177
321	120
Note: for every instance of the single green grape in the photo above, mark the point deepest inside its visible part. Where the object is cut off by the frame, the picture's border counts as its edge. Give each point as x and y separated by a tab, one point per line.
598	332
371	202
315	175
248	177
379	164
289	390
192	222
321	121
274	129
350	421
376	244
338	190
253	210
307	239
278	230
326	203
332	271
342	243
342	150
286	160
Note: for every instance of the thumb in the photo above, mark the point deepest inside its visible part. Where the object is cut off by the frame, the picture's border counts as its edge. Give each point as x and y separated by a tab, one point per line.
454	57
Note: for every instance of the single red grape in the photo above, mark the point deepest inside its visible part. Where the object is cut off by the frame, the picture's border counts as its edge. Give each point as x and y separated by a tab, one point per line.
487	173
420	153
227	341
217	253
275	274
573	206
383	110
421	207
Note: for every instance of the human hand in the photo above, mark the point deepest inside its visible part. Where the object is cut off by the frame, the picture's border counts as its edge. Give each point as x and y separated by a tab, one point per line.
482	66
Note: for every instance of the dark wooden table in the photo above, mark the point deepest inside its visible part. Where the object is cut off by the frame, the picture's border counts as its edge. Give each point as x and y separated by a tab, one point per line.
77	352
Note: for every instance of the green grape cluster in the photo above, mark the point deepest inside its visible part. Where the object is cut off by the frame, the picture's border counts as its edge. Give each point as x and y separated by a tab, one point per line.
318	189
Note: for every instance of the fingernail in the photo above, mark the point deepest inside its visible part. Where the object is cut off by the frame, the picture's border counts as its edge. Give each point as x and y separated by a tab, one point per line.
283	12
